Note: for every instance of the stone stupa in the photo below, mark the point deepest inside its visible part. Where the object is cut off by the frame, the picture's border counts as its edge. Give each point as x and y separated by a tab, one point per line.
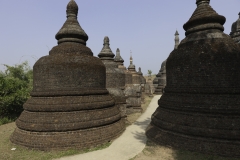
200	107
162	80
235	31
119	60
115	77
70	106
134	91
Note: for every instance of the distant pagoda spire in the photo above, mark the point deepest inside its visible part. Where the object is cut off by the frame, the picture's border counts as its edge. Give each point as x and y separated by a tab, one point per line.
176	40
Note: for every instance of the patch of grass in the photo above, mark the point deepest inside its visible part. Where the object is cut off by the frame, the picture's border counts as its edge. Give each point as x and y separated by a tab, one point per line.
5	120
22	153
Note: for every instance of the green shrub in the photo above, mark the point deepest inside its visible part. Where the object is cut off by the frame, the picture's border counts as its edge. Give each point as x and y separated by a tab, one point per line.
15	87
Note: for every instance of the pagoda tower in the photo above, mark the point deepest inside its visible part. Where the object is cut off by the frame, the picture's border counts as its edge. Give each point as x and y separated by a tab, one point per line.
119	60
115	77
235	32
162	79
134	91
200	107
70	106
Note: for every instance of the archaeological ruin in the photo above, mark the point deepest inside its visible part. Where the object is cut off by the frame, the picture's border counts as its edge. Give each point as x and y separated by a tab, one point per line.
133	91
162	79
70	106
235	31
199	109
115	77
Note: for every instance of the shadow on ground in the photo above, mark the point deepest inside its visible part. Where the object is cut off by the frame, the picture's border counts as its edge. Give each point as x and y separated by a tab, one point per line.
143	125
154	151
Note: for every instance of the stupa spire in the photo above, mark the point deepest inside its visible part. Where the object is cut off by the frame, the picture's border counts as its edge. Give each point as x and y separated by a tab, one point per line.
71	30
118	57
106	52
204	18
235	31
176	40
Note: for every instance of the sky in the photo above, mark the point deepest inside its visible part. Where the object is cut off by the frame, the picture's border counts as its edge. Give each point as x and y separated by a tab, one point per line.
146	27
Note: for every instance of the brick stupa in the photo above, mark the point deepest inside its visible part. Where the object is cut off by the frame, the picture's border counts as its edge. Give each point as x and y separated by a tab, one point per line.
162	79
115	77
70	106
200	108
235	31
119	60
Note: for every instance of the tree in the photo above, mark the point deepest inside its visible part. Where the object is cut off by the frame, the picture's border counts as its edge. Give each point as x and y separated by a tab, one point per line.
15	87
149	73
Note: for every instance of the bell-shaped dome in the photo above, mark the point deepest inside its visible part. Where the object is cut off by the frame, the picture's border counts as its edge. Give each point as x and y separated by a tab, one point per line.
200	103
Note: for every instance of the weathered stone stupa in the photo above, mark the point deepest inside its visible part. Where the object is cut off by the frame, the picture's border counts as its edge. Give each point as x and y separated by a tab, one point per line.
155	82
70	106
200	108
132	69
115	77
235	32
119	60
143	83
162	79
142	79
134	91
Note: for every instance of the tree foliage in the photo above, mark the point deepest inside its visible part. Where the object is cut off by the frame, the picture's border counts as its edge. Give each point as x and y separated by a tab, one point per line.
149	73
15	86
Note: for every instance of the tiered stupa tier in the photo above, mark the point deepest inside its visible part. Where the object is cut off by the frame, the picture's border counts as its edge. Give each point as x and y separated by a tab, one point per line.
70	106
200	107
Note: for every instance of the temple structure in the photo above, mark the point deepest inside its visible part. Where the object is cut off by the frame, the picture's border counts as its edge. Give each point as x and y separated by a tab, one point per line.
70	106
119	60
143	80
162	79
136	79
143	83
199	109
235	32
134	91
155	81
115	77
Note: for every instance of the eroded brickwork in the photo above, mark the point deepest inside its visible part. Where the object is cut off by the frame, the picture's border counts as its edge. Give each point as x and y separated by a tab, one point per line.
199	109
70	106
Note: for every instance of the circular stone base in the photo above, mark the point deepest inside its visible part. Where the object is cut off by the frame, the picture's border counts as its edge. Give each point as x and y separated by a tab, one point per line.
79	139
193	143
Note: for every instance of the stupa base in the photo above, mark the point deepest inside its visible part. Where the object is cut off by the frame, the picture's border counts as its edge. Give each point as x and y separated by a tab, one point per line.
78	139
221	147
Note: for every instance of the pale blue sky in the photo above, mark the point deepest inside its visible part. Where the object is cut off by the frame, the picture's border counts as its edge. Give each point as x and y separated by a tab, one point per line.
147	27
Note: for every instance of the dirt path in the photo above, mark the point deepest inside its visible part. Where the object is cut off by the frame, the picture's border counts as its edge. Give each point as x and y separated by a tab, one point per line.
129	144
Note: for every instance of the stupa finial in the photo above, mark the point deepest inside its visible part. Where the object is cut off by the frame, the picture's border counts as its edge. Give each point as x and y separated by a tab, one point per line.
106	52
118	57
176	40
198	2
131	59
71	30
204	18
